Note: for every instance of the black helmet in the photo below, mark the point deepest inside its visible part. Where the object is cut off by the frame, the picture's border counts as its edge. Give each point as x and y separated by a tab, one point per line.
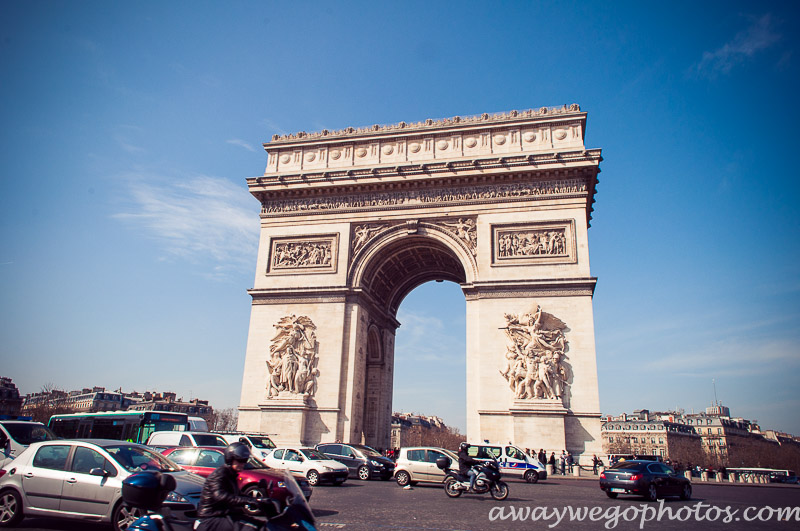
236	452
463	446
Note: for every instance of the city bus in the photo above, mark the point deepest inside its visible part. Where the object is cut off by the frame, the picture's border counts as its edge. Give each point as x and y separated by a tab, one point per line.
131	426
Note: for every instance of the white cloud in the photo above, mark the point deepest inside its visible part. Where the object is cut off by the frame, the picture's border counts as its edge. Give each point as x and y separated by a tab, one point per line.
760	35
241	143
196	218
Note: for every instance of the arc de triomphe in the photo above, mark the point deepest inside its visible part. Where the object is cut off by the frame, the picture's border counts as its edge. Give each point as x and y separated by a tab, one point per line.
353	220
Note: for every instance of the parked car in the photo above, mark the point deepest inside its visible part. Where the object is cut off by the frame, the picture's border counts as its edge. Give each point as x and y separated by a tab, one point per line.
165	439
512	460
82	479
16	435
362	461
260	445
650	479
308	462
418	464
204	460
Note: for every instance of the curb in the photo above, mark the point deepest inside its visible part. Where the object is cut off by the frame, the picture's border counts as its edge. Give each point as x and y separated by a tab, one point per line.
694	483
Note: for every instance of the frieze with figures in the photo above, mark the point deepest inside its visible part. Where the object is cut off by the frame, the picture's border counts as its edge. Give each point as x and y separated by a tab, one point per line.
312	254
424	197
549	242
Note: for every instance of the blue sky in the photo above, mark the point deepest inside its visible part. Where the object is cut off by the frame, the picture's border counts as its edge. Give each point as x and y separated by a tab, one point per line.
129	237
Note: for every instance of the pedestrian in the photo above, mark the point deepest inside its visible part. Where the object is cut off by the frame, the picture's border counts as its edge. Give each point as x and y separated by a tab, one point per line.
570	462
552	461
595	461
542	456
562	462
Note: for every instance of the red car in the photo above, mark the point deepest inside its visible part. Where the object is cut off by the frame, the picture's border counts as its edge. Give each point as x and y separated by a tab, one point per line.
203	460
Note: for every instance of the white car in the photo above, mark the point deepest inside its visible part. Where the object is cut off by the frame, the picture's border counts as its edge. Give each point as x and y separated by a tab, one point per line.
311	463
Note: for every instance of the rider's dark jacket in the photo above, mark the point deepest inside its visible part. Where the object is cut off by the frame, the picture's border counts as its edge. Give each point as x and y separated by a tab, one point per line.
221	494
465	462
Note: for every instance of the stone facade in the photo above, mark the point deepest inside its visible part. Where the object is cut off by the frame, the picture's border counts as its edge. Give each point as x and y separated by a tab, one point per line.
353	220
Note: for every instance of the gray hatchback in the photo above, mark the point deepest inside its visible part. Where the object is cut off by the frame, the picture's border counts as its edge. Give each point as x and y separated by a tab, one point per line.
82	479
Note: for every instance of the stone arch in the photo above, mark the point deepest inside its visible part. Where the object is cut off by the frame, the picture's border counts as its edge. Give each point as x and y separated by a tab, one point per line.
403	257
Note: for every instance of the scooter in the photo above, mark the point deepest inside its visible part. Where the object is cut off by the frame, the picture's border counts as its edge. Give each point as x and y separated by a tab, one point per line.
487	480
148	490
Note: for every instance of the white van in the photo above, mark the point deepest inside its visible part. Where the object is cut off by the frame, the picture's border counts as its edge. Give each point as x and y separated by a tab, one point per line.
198	424
512	460
164	439
16	435
260	445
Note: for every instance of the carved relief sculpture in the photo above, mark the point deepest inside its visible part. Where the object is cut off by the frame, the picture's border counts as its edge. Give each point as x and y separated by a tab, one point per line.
466	230
532	243
313	254
293	360
535	355
363	233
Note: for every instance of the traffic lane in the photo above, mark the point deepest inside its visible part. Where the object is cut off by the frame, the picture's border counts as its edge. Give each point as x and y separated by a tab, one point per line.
358	506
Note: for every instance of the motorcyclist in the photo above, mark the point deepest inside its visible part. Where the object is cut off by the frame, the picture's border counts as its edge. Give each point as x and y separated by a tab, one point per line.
221	500
465	464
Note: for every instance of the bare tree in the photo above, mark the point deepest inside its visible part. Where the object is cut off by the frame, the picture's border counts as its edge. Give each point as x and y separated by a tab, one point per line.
223	420
50	401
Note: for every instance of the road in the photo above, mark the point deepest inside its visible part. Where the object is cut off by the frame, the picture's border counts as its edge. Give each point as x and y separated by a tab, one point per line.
361	506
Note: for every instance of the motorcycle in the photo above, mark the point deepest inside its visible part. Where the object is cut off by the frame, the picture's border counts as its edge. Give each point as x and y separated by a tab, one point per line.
487	480
148	490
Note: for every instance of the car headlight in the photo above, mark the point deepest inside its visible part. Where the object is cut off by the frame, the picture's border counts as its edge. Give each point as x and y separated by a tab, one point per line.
375	463
327	469
174	497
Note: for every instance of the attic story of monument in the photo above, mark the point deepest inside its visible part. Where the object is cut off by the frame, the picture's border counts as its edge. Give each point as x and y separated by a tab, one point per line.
354	220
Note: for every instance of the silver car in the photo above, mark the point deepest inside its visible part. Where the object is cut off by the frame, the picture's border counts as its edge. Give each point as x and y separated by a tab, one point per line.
82	479
419	464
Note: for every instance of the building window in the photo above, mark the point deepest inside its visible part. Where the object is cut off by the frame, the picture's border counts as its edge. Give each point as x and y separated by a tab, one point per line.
611	439
634	439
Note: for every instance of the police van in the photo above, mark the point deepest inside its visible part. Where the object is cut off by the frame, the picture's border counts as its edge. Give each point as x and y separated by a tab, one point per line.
512	460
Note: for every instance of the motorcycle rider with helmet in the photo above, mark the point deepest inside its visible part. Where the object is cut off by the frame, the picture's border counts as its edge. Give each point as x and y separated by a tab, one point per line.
221	497
465	464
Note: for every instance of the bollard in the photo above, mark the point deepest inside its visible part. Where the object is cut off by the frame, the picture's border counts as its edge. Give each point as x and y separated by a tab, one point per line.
576	471
601	469
687	474
732	477
704	476
719	477
550	470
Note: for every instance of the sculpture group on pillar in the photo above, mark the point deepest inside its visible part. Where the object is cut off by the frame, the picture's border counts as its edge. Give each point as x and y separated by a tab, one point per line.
535	356
293	358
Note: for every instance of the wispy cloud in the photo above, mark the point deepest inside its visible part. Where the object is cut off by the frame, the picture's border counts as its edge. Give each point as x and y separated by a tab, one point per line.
759	36
242	143
196	218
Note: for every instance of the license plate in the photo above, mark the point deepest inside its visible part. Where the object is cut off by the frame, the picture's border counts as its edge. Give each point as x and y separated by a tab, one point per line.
618	490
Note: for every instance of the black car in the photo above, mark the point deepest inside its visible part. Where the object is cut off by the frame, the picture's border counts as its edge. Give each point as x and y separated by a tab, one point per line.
644	478
362	461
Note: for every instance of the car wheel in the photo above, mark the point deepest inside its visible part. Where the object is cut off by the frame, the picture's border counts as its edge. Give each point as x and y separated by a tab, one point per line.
686	493
652	493
403	478
313	477
363	472
612	495
124	516
531	476
254	491
10	508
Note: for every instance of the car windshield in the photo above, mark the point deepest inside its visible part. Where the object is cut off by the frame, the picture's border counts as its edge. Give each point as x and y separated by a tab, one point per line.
27	433
135	458
310	453
262	443
369	452
209	440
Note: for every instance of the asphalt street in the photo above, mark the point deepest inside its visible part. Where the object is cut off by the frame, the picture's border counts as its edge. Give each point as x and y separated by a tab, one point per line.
360	506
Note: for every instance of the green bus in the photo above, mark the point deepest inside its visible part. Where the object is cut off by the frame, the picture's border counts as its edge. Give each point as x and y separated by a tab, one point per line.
131	426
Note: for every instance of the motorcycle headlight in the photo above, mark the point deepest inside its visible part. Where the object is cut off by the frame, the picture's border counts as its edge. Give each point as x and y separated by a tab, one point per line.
174	497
